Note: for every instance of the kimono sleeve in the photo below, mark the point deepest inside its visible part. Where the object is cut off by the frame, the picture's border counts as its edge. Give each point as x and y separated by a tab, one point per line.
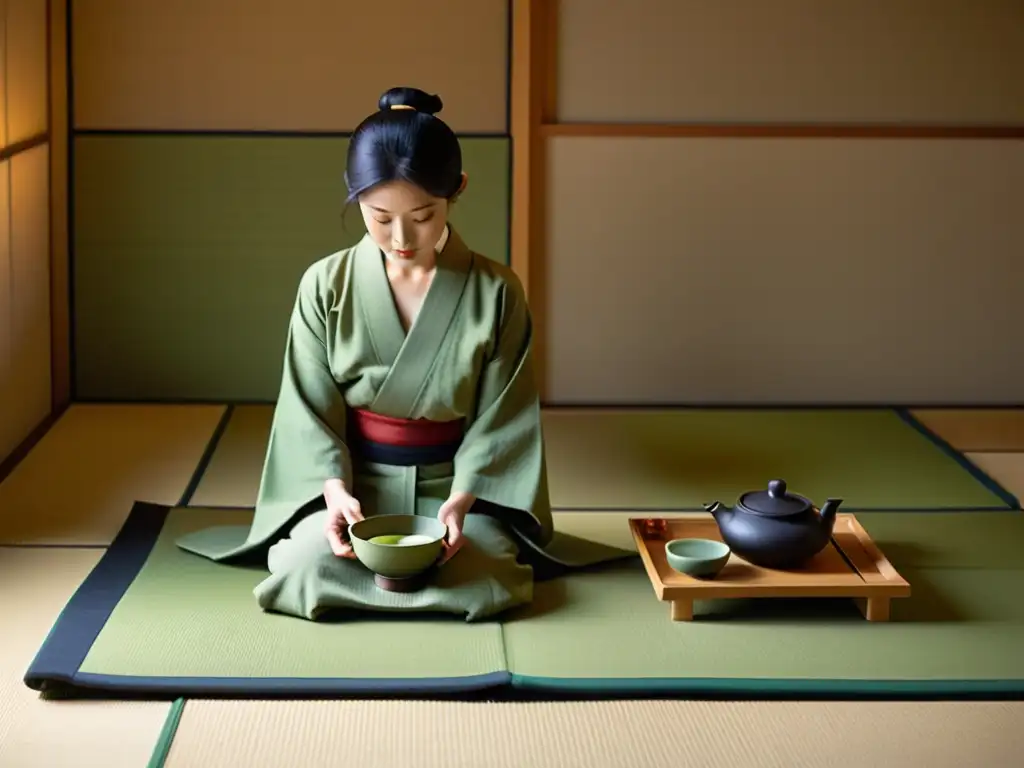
501	459
307	445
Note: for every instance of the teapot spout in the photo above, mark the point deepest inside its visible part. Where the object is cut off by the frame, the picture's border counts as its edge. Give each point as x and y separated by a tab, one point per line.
828	513
715	508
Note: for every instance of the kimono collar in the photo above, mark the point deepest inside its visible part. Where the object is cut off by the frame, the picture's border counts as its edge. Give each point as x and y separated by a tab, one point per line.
444	239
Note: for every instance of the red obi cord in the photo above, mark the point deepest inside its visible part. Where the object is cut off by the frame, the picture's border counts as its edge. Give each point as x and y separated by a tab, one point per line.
388	430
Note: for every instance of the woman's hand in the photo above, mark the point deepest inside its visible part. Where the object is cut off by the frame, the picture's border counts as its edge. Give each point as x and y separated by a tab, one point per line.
453	514
342	511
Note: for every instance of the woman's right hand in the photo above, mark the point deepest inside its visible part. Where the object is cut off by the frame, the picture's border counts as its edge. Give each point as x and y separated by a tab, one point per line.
342	511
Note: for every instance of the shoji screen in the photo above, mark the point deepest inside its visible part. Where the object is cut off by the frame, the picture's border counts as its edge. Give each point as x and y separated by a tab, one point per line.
25	393
795	201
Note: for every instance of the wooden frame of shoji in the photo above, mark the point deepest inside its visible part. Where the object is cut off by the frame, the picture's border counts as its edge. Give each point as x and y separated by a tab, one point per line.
534	109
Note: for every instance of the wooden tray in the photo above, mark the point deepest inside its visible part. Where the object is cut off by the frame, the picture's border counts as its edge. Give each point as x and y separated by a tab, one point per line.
850	566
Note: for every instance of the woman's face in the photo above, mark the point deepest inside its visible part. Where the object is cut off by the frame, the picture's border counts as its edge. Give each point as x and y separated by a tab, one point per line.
404	221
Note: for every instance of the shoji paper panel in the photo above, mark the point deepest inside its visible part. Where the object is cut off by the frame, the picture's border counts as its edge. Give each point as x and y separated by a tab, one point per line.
265	64
26	299
792	60
731	270
26	69
188	252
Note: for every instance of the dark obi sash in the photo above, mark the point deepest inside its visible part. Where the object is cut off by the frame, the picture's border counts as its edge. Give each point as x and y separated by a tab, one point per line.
403	442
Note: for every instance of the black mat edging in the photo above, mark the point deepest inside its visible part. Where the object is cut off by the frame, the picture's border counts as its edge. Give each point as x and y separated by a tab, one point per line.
207	457
769	688
281	687
1011	501
86	613
50	545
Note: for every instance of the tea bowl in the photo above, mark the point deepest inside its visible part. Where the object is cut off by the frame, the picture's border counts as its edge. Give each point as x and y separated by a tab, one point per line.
700	558
398	546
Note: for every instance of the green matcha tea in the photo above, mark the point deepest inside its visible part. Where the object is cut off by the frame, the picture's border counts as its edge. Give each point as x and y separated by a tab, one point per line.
401	539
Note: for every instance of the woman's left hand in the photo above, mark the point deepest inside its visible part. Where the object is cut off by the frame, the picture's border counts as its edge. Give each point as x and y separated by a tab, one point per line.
453	514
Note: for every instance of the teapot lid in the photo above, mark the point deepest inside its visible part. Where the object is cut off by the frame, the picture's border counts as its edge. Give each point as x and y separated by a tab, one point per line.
775	502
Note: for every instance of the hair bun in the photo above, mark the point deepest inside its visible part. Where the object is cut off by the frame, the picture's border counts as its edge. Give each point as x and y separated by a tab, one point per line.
410	98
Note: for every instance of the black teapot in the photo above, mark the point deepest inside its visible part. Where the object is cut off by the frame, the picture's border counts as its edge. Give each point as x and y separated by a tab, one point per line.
775	528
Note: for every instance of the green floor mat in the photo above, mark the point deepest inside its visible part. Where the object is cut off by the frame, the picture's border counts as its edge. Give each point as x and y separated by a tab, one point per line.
960	632
680	458
944	540
154	621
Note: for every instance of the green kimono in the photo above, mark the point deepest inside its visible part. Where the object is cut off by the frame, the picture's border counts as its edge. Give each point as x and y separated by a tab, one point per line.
468	356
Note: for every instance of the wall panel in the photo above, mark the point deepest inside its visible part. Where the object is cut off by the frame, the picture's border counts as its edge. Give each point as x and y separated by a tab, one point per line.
26	52
26	373
9	432
59	146
922	61
3	73
188	251
308	65
25	398
760	270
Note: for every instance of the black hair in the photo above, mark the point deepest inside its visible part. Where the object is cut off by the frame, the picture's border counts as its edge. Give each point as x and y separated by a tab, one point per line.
404	140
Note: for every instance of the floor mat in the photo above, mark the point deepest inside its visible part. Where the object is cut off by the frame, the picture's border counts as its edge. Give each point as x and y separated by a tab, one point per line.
964	570
1005	468
77	485
679	459
976	429
153	619
34	585
625	734
232	477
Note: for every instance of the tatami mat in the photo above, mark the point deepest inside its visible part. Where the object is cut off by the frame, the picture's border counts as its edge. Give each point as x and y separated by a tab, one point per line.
680	458
34	585
976	429
232	477
621	459
621	734
1007	469
78	484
